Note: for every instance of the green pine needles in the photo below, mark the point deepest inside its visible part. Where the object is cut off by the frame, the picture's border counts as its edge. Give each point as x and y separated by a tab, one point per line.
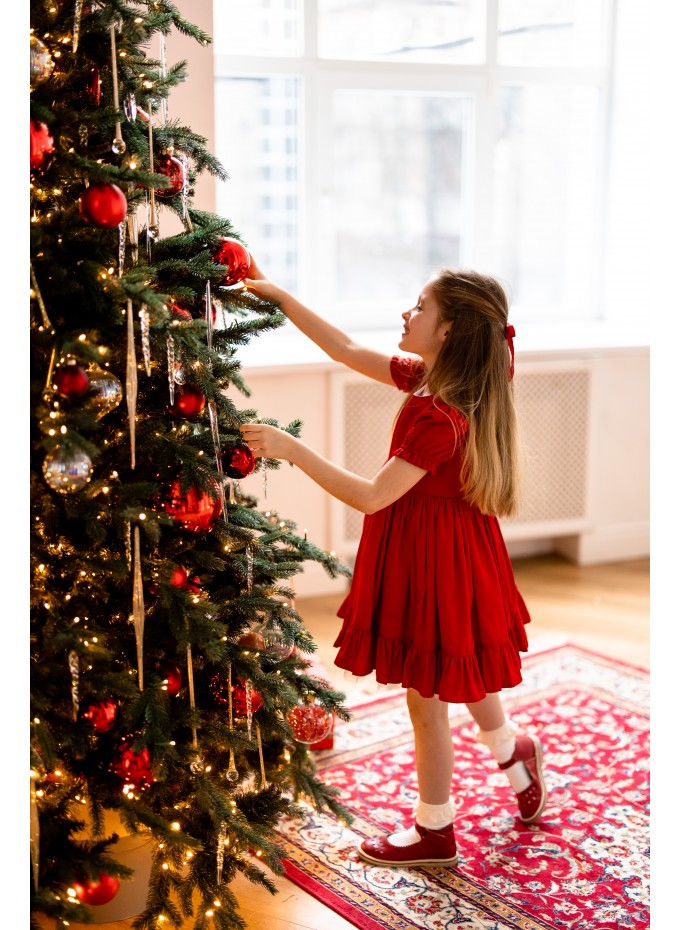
156	584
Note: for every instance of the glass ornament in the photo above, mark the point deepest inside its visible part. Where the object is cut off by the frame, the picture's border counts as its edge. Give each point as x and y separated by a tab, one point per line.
67	470
104	392
275	646
309	719
42	64
130	108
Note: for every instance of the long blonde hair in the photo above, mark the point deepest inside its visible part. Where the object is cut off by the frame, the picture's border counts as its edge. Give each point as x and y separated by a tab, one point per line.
472	374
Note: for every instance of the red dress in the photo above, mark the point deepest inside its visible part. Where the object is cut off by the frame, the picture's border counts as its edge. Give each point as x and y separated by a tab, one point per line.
433	603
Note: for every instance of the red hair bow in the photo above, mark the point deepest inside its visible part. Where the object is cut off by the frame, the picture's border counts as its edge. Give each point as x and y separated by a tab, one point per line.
509	335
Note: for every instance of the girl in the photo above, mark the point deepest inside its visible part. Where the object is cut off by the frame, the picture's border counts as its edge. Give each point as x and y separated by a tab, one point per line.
433	604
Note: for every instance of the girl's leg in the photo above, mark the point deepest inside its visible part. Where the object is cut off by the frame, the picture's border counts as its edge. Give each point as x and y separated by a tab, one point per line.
519	756
431	840
434	749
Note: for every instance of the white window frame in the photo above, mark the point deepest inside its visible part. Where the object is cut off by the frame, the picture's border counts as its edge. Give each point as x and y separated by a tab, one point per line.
320	77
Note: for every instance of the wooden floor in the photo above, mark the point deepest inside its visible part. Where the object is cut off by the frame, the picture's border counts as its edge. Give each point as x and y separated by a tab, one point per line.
604	608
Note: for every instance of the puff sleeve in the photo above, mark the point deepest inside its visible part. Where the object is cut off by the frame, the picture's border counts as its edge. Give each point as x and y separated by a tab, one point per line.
406	372
433	437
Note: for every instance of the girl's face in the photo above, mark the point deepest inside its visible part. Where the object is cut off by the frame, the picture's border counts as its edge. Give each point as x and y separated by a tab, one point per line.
424	331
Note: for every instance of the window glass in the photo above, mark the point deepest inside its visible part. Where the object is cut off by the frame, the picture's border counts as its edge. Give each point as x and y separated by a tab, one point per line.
550	32
257	27
257	127
402	30
546	201
398	202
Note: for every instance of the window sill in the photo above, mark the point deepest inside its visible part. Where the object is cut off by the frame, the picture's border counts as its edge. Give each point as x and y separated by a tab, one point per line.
287	348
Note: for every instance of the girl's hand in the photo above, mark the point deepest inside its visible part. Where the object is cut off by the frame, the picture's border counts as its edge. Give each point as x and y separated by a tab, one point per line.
258	284
268	441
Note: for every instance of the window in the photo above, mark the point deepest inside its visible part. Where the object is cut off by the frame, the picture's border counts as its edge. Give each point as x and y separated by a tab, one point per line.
371	142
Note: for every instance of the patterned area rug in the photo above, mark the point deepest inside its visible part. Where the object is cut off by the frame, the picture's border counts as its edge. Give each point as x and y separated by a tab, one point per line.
584	864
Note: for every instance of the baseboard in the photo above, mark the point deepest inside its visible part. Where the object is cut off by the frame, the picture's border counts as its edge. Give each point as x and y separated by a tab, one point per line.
618	543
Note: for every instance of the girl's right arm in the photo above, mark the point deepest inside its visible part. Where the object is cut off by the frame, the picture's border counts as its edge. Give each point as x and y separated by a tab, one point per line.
333	341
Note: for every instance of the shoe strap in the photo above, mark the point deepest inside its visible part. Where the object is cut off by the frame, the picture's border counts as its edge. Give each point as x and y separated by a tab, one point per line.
506	765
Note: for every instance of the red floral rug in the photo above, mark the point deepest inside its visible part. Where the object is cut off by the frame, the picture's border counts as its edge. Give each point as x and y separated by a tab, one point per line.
584	864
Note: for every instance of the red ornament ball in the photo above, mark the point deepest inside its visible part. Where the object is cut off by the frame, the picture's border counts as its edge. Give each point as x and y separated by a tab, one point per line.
133	767
219	688
173	169
172	676
42	145
180	579
309	720
103	205
97	891
71	381
94	85
102	716
189	402
238	460
194	510
235	257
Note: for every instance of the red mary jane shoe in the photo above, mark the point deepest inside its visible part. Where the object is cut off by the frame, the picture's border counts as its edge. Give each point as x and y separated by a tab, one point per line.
531	801
435	847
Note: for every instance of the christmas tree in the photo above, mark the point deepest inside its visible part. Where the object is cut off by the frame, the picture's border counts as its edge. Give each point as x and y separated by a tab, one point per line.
171	691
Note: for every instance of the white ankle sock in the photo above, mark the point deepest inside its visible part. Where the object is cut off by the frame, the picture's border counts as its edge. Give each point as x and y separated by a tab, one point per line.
431	816
501	742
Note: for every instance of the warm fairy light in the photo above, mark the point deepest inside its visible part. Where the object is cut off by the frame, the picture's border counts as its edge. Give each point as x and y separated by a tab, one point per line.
82	337
190	855
133	165
138	19
63	430
175	826
71	892
258	853
209	913
114	474
166	866
41	567
172	742
106	489
52	432
47	605
123	54
53	414
142	516
57	191
57	54
110	270
224	639
148	84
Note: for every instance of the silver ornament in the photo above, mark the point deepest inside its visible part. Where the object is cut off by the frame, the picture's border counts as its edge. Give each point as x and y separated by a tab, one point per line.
67	470
130	108
42	64
104	392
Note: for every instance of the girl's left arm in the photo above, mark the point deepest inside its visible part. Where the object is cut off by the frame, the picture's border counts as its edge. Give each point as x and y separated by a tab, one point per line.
368	495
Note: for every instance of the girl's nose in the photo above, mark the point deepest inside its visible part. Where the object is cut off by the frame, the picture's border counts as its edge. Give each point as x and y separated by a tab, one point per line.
406	315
